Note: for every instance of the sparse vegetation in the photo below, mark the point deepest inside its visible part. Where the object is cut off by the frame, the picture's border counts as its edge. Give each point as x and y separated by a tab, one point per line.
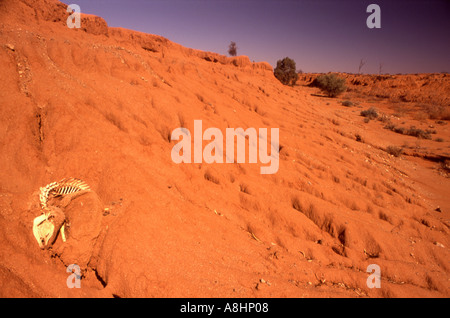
232	49
394	150
384	118
371	113
286	72
254	188
392	127
445	165
438	112
331	84
419	133
361	64
347	103
412	131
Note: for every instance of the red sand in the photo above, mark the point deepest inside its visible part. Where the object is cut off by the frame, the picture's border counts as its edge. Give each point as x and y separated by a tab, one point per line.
99	104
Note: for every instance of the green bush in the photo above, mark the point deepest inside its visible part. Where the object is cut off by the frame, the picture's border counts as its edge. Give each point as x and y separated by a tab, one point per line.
286	72
330	84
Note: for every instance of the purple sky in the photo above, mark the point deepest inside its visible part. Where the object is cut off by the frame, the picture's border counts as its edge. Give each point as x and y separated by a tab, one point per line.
321	36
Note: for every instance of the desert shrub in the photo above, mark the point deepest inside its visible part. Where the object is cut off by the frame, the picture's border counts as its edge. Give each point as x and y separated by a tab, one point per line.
398	130
358	138
445	165
436	111
384	118
417	132
330	84
439	139
286	72
412	131
370	113
232	49
390	126
347	103
394	150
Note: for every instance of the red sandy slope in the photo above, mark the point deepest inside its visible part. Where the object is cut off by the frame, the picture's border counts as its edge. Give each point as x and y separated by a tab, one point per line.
99	104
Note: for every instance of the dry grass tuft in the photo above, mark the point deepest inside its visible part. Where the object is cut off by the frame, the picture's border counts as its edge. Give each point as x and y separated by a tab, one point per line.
394	150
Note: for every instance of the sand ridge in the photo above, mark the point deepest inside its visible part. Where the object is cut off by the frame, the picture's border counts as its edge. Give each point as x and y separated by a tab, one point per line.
100	103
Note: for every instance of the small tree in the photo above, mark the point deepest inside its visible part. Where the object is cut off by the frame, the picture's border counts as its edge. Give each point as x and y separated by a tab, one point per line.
286	72
361	64
330	83
232	49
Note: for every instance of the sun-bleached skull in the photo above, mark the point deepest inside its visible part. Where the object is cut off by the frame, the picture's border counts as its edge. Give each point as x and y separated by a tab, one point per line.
43	230
47	226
